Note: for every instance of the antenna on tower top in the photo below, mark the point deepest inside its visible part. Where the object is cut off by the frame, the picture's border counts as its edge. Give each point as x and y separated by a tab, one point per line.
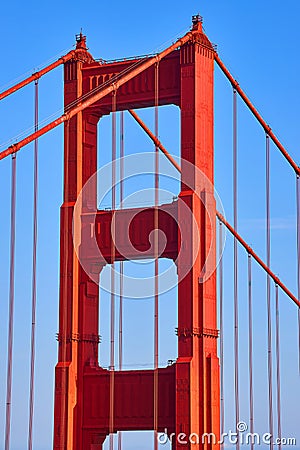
80	40
197	18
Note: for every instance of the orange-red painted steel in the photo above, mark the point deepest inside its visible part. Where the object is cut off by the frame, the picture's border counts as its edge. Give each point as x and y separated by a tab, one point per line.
187	393
188	390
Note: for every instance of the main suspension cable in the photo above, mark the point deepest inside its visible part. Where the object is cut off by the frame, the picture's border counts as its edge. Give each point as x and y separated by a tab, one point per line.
35	76
34	258
256	114
11	302
258	260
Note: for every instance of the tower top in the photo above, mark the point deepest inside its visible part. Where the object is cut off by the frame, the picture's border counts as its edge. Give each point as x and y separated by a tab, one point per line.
81	41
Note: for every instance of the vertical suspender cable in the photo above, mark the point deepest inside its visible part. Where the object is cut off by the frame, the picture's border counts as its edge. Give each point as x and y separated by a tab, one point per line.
269	316
278	380
121	262
11	302
112	287
221	332
34	257
298	257
235	268
250	348
156	181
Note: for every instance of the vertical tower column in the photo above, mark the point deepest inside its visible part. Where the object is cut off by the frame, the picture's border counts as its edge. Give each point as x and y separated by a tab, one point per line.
78	309
197	378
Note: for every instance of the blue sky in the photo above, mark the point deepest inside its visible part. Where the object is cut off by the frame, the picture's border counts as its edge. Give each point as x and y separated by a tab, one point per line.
258	41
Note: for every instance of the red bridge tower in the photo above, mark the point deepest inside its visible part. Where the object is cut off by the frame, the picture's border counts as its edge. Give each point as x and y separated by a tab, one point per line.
188	390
